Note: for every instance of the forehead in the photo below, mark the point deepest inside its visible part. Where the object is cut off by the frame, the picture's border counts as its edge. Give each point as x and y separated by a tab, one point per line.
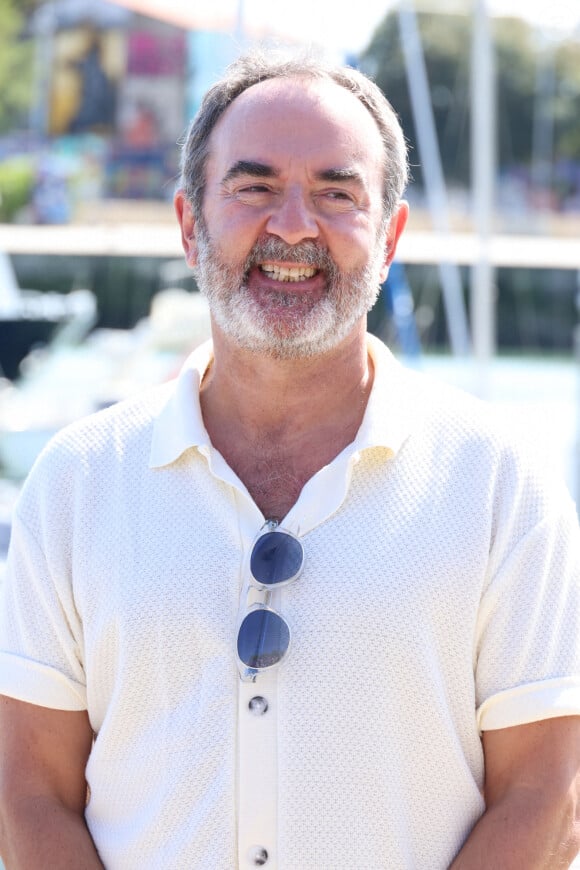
300	120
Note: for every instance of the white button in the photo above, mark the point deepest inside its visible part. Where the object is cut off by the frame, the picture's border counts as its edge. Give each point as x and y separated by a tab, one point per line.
258	856
258	705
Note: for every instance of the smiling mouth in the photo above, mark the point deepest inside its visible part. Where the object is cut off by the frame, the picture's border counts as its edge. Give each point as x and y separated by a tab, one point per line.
288	274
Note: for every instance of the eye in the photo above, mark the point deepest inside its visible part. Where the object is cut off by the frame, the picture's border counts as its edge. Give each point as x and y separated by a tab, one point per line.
339	195
254	188
336	200
255	193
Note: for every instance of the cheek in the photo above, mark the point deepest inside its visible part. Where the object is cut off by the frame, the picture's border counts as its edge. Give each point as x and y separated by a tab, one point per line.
234	227
354	247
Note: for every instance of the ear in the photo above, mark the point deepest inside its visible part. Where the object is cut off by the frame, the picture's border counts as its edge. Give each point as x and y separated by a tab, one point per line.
395	228
186	221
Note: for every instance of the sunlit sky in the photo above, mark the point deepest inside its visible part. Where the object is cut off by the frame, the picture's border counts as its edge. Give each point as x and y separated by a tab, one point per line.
340	27
351	30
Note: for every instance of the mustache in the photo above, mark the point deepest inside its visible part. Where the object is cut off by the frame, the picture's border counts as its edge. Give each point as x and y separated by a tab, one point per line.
308	253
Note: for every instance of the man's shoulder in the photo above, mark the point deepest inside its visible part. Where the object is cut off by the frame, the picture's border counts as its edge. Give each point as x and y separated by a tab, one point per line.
452	424
484	442
105	438
87	459
128	419
437	406
468	425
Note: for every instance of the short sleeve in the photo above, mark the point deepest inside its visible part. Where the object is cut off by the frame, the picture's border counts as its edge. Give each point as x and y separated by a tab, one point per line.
528	634
40	630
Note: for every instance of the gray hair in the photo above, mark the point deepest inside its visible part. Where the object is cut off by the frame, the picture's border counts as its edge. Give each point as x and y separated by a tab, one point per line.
255	67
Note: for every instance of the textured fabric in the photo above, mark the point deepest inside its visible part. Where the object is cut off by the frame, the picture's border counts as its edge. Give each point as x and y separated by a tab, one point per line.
439	597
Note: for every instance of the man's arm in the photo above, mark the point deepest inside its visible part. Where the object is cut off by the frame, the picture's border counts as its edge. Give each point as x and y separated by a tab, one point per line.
532	795
43	755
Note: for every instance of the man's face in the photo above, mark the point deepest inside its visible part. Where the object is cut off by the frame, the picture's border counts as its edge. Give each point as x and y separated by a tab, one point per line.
292	244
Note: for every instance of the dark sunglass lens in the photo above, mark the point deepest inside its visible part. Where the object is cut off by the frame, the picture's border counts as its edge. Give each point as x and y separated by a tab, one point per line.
263	639
276	558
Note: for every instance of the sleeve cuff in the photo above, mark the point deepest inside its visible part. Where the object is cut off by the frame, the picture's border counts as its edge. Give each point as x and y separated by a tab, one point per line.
530	703
27	680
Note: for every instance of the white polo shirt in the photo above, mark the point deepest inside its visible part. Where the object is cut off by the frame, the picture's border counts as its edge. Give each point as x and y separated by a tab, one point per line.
440	596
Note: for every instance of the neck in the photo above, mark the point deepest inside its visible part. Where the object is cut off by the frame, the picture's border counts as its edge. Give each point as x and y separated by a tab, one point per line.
277	422
261	393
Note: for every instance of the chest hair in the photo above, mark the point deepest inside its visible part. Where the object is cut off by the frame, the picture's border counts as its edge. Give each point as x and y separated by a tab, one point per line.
275	474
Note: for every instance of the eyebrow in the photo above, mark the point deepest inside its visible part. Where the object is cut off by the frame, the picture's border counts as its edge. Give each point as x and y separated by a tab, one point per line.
264	170
250	167
340	175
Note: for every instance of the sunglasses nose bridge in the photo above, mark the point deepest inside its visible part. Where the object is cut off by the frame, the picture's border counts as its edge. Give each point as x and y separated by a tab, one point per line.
259	596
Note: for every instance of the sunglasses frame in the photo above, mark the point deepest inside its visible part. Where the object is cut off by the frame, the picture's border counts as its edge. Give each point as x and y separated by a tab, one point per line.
268	590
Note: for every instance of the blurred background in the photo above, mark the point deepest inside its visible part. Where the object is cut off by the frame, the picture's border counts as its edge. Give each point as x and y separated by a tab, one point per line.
95	300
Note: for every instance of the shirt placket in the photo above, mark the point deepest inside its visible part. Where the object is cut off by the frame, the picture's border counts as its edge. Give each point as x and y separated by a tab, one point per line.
258	701
257	743
257	772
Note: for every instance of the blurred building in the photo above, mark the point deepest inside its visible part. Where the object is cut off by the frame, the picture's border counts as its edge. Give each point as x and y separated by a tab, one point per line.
114	92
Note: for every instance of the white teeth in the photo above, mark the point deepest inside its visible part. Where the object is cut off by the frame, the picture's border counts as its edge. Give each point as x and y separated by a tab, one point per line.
286	273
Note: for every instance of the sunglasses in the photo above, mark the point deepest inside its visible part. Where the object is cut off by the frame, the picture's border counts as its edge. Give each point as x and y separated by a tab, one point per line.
264	635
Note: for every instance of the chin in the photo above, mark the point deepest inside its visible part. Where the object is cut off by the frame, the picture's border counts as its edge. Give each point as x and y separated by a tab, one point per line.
285	333
296	346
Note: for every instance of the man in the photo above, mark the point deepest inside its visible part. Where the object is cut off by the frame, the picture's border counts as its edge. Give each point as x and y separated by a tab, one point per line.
300	609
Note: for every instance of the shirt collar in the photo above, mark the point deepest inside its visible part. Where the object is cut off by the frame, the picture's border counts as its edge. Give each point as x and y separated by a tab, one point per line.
180	425
390	417
392	411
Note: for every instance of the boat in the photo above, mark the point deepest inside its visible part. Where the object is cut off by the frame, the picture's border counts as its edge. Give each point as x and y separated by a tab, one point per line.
68	379
31	318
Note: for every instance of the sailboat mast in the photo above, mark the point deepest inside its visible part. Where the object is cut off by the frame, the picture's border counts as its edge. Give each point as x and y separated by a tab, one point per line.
483	175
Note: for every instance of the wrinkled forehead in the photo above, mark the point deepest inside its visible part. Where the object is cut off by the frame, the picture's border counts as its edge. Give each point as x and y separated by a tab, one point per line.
299	115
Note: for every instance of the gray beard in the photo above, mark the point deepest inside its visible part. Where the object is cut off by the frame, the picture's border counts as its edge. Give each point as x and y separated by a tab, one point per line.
305	331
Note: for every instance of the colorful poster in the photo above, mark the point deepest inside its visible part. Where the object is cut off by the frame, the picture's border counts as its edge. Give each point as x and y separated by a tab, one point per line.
87	67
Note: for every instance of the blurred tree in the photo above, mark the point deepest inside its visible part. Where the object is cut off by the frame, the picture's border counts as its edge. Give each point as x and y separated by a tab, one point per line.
567	112
15	67
516	62
446	41
27	7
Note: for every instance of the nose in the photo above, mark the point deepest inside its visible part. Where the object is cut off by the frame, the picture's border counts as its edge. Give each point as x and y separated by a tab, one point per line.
292	219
